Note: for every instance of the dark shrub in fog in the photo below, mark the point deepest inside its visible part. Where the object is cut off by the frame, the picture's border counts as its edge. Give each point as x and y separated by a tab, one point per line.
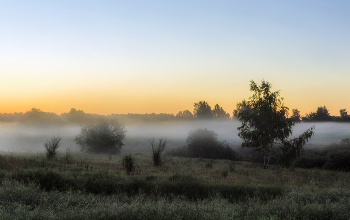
51	146
157	151
203	143
334	157
103	136
338	160
128	163
338	155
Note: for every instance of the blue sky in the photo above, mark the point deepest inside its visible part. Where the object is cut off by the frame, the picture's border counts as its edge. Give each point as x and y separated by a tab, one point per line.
162	56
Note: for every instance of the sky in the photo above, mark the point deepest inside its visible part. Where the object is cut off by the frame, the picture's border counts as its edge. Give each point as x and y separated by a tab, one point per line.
122	57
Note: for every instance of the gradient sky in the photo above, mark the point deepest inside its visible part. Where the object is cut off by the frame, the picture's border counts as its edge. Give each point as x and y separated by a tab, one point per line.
163	56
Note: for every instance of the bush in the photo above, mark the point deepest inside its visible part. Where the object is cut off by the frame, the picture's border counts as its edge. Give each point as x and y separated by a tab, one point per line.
51	146
203	143
338	160
128	163
103	136
157	151
333	157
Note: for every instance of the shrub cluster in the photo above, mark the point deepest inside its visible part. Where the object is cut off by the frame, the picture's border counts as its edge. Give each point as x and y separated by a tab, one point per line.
102	136
334	157
203	143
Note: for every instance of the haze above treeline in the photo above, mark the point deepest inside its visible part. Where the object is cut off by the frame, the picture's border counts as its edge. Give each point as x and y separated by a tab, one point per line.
202	110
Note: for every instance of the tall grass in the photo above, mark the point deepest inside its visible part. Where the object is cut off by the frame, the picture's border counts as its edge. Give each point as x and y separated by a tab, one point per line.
19	201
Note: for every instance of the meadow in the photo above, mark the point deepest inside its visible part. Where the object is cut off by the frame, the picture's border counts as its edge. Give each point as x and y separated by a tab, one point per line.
85	186
76	185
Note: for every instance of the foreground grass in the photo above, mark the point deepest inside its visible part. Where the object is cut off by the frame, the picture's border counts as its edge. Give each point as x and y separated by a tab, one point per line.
96	187
29	202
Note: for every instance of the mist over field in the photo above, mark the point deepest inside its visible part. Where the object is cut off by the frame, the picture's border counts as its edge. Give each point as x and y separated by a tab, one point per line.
16	137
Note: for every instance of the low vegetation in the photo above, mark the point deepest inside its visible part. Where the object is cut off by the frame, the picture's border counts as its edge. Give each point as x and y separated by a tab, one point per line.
128	163
94	187
334	157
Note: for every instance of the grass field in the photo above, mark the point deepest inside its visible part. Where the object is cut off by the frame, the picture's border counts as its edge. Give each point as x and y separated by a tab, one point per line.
97	187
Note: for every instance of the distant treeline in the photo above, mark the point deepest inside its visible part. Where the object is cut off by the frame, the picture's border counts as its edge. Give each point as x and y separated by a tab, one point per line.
322	114
79	117
202	110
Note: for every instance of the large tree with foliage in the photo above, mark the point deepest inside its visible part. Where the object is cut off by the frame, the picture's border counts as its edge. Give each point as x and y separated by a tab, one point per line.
266	126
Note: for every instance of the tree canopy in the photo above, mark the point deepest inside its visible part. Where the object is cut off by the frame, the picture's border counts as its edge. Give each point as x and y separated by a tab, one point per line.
186	114
321	114
265	123
202	110
219	113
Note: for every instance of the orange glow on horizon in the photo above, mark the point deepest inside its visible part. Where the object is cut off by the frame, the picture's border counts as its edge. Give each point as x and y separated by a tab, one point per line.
146	106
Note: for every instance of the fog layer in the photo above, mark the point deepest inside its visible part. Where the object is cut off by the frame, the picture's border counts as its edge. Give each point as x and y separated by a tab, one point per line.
16	137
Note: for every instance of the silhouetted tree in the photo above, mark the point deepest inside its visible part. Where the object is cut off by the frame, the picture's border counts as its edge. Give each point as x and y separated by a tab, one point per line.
76	116
321	114
343	116
103	136
343	113
10	117
36	116
240	106
186	114
219	113
296	114
202	110
265	124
